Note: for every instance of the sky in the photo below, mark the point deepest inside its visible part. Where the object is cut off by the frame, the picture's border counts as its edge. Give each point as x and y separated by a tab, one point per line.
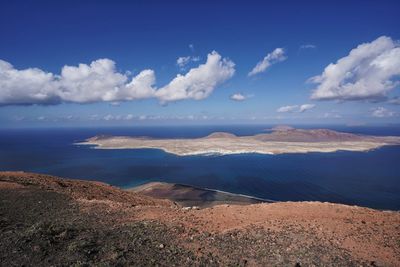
108	63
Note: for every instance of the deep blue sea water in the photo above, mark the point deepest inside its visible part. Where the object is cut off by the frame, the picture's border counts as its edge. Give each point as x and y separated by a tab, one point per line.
369	179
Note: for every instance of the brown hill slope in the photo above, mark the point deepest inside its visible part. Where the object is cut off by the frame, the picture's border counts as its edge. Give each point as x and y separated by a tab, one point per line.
47	221
313	135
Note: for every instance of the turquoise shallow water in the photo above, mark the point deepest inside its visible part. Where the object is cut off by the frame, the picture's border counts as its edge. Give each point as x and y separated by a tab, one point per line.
369	179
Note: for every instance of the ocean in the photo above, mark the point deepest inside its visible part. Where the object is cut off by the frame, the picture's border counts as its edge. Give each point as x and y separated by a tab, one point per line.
370	179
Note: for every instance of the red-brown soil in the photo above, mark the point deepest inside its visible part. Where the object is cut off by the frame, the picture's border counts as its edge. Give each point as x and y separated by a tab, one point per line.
46	220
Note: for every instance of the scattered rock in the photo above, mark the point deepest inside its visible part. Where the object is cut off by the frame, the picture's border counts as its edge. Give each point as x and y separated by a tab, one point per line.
46	223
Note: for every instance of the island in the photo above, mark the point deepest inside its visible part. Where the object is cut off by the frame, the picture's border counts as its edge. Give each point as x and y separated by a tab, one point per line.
279	141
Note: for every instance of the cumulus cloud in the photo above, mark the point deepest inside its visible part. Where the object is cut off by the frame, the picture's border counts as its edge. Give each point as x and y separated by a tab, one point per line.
141	86
295	108
26	86
199	82
90	83
369	72
275	56
183	61
100	81
84	83
238	97
381	112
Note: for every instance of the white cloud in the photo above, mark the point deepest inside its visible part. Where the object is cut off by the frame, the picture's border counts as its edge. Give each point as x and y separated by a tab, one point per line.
306	107
183	61
287	109
381	112
162	117
26	86
368	73
100	81
199	82
90	83
84	83
275	56
108	117
295	108
238	97
141	86
129	117
308	46
332	114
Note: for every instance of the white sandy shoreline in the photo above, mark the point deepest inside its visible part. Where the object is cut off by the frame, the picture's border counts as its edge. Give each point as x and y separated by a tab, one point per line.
272	149
154	183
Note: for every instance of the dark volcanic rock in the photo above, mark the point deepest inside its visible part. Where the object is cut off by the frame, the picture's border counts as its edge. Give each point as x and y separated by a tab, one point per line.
43	228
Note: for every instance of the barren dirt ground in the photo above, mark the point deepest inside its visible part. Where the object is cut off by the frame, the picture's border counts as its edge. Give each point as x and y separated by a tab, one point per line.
46	220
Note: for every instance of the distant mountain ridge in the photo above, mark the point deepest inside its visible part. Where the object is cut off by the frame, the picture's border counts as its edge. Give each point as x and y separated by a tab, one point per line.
304	135
221	135
288	134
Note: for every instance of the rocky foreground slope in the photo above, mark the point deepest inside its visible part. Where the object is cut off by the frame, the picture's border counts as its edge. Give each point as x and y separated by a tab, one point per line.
46	220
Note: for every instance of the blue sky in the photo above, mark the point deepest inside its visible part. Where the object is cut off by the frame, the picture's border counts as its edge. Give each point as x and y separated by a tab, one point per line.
219	43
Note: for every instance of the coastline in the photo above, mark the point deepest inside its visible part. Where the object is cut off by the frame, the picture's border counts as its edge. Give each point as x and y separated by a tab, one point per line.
271	148
192	196
223	143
